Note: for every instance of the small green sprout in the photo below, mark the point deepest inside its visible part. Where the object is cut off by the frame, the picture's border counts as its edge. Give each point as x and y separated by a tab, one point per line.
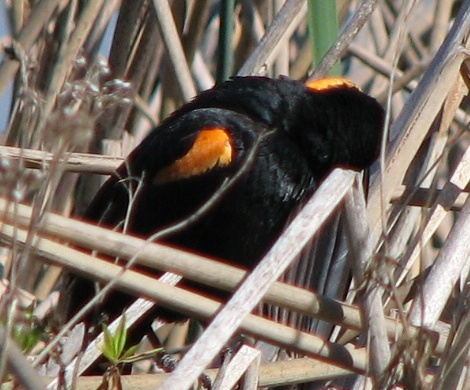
113	346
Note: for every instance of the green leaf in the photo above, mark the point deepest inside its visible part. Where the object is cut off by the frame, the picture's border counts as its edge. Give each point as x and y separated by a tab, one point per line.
120	337
107	346
127	354
141	356
113	344
27	335
323	29
225	49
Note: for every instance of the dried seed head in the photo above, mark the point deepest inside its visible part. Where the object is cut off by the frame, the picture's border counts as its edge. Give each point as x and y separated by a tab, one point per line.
18	182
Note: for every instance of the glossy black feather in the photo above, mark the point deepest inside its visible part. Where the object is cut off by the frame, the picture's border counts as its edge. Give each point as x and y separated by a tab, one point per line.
304	135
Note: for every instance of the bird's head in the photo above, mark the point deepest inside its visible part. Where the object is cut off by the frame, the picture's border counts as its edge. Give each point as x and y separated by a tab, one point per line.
339	125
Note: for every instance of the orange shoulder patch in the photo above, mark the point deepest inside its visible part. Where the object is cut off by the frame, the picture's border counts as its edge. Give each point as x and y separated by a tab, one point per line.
328	83
212	148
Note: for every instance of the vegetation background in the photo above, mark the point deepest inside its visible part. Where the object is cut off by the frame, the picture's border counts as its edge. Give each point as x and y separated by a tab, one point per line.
90	78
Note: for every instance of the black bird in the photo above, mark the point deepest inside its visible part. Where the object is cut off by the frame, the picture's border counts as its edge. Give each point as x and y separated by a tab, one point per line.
284	135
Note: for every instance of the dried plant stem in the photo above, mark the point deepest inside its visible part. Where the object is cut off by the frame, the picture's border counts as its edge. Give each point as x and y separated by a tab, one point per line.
17	364
191	266
71	162
189	303
341	45
93	351
372	296
153	48
270	374
259	280
425	197
440	24
174	48
107	164
452	263
418	115
454	369
40	15
70	51
283	26
438	211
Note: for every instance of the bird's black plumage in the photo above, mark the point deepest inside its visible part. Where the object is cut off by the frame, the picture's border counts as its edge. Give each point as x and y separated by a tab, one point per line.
299	133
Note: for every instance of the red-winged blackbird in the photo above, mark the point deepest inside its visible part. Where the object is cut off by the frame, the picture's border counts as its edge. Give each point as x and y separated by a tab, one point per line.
300	133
